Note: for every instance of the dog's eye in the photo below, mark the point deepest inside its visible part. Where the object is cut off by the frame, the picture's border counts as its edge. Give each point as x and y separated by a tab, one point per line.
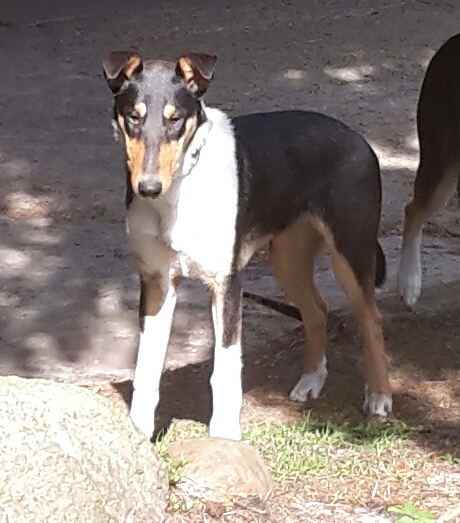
174	125
176	117
133	118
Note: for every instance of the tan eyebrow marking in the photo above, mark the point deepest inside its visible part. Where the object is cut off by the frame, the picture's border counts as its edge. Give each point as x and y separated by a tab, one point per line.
140	109
169	110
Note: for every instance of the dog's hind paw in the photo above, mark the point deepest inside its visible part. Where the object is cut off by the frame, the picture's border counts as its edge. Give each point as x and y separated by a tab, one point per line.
410	279
377	404
310	384
410	288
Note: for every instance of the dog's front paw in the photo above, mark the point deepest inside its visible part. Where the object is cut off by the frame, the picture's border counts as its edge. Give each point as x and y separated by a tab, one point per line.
377	404
310	384
223	428
143	418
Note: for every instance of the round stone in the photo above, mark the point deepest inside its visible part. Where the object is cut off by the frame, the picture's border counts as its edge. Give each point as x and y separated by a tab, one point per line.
219	469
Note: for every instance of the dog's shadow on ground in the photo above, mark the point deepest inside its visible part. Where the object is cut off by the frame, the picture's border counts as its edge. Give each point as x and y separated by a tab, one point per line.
185	393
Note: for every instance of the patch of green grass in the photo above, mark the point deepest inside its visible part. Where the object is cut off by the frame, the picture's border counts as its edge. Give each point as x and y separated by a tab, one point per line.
179	503
409	514
451	458
174	469
313	445
182	429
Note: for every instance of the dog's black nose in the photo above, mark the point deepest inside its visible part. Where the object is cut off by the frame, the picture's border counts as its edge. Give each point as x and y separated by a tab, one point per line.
149	189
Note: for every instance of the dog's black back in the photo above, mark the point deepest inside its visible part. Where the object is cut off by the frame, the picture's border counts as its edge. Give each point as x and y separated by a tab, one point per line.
295	162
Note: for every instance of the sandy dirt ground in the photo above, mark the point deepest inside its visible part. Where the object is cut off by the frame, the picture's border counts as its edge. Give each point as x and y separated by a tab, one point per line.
68	289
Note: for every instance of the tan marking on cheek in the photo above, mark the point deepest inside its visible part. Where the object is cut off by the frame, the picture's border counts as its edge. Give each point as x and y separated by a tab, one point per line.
168	111
171	153
168	162
135	152
140	109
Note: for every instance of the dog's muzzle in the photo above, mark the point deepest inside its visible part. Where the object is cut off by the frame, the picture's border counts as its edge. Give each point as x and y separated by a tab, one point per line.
149	188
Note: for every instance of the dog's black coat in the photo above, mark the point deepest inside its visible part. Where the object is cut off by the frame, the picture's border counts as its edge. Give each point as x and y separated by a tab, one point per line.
280	152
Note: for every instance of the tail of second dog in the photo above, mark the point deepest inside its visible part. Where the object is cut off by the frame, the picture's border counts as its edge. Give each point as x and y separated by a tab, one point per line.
437	178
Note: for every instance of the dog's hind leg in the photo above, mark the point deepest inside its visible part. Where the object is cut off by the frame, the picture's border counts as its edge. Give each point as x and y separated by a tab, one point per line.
433	186
292	256
354	267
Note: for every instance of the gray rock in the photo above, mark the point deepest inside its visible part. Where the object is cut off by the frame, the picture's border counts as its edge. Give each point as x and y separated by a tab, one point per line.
70	456
219	469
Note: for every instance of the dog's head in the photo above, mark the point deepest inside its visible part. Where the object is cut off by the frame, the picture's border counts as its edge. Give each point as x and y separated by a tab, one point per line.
157	110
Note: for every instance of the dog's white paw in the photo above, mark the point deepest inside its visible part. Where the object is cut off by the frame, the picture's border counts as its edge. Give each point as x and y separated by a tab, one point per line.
410	273
223	428
410	285
143	418
310	384
377	404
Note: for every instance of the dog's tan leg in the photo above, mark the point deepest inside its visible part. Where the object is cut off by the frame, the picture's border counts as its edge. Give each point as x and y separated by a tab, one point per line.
378	391
431	192
292	256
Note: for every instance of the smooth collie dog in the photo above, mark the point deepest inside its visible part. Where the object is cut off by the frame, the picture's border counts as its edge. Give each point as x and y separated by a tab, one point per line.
205	191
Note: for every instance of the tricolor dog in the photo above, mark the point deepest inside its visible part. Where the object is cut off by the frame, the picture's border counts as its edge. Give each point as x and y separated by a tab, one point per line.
438	127
205	191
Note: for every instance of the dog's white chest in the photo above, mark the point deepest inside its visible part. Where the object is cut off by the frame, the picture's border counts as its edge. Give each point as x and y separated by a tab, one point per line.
197	217
205	222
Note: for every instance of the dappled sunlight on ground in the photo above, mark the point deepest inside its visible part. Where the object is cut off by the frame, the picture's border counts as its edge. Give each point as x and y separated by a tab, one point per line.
69	290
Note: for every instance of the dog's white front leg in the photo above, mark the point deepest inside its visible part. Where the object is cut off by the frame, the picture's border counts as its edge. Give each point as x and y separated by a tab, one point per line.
226	377
155	317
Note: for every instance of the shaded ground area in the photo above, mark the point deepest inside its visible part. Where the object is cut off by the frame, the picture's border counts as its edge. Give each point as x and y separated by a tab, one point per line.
68	290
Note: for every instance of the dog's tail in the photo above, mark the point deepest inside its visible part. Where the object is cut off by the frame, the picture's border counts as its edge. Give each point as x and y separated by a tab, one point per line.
380	266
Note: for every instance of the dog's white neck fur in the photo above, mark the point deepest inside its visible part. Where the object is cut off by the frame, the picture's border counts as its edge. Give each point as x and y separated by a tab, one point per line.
197	216
192	154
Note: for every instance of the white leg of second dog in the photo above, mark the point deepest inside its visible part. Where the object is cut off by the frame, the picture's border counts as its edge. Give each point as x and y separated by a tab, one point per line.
410	270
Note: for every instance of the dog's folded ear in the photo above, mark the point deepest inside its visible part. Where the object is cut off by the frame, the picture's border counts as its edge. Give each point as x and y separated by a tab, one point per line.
197	70
119	67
